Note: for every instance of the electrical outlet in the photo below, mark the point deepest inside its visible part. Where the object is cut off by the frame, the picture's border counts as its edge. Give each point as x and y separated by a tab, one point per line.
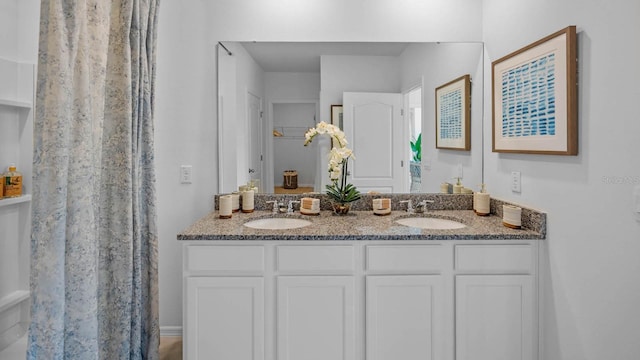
185	174
516	185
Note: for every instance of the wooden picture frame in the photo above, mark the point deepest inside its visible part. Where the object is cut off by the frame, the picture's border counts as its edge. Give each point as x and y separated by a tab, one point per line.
534	96
453	114
336	116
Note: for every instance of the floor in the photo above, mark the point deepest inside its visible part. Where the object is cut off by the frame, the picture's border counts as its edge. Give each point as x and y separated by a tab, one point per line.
298	190
170	349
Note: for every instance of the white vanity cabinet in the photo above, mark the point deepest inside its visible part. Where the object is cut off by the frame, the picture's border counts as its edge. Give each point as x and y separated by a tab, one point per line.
495	302
360	300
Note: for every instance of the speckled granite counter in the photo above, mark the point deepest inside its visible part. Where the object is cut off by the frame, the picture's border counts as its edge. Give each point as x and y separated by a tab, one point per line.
364	225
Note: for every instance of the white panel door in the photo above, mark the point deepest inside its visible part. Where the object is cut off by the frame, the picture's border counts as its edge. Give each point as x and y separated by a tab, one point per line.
224	318
404	318
495	317
374	128
315	318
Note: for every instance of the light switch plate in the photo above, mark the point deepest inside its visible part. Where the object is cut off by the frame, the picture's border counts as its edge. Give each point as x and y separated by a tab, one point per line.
185	174
516	184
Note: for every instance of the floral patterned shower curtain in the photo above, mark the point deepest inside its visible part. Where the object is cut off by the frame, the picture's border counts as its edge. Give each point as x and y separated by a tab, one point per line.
94	238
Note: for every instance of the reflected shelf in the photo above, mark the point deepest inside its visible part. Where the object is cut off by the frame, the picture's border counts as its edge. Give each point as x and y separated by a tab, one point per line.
16	200
16	103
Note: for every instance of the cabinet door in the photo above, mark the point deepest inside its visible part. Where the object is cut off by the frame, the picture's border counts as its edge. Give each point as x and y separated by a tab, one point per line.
404	317
224	318
495	317
315	318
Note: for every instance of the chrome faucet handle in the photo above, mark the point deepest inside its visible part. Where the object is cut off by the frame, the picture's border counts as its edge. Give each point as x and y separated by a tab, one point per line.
275	205
290	206
409	205
422	205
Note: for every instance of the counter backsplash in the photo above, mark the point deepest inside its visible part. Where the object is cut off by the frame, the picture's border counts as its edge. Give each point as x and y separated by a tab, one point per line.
531	219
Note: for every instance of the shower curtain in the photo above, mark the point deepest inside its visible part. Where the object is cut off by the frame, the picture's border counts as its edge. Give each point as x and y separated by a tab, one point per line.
94	239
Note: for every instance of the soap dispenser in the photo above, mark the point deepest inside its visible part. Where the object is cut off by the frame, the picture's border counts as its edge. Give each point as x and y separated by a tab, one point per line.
482	202
457	188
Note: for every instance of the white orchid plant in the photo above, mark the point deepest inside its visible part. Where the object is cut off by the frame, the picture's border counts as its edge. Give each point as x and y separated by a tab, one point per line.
339	190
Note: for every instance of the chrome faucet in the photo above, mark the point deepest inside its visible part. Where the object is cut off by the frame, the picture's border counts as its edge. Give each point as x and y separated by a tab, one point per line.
276	205
422	206
290	206
409	205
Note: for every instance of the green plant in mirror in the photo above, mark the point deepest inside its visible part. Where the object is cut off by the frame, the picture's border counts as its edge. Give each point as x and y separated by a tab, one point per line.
416	148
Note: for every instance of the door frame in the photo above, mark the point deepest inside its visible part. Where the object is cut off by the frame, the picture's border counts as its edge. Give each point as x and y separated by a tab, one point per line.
269	163
260	135
406	129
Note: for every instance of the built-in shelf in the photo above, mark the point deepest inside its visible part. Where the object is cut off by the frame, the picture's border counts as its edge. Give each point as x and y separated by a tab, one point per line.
15	200
14	298
16	103
289	132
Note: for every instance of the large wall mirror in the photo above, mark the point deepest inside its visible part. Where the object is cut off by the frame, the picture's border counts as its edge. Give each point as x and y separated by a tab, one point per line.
270	93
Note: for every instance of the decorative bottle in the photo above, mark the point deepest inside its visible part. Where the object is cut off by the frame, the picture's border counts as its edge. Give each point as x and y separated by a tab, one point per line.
12	181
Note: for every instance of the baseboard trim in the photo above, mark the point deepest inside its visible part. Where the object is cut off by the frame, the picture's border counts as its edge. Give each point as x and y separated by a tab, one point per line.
170	330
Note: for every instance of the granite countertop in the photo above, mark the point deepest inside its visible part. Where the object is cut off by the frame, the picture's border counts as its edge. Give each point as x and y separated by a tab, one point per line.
357	225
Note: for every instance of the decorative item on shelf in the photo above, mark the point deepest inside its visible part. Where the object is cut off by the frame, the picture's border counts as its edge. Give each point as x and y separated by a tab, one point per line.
341	192
482	202
225	207
446	188
309	206
382	206
290	179
12	181
512	216
466	190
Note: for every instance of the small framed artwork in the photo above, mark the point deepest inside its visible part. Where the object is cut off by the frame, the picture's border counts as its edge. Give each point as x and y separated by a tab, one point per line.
453	114
336	116
534	95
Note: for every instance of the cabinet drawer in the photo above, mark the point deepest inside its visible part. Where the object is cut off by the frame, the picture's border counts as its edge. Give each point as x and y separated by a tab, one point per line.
224	258
315	258
494	258
412	258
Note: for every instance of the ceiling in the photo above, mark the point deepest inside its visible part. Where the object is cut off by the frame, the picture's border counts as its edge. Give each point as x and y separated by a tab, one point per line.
305	56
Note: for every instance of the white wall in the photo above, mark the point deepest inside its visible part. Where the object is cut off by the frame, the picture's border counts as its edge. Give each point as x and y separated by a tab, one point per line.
186	86
434	65
591	263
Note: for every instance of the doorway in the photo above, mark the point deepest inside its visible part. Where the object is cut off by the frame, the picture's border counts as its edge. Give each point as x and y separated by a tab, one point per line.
413	104
291	120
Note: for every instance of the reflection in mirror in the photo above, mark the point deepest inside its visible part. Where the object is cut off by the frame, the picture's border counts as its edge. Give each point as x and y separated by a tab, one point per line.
270	93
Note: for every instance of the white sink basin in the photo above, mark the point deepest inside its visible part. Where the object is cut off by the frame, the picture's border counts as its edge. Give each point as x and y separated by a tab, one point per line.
277	223
430	223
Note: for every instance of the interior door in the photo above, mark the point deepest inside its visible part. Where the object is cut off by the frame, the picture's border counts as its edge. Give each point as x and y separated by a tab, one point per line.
374	128
254	115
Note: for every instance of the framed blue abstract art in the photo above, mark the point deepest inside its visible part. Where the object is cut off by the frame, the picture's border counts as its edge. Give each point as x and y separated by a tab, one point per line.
535	103
453	114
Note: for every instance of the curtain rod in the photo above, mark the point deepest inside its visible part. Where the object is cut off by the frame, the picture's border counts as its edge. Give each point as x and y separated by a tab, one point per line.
225	48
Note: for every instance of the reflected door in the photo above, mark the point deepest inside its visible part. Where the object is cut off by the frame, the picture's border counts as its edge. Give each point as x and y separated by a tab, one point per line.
374	128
